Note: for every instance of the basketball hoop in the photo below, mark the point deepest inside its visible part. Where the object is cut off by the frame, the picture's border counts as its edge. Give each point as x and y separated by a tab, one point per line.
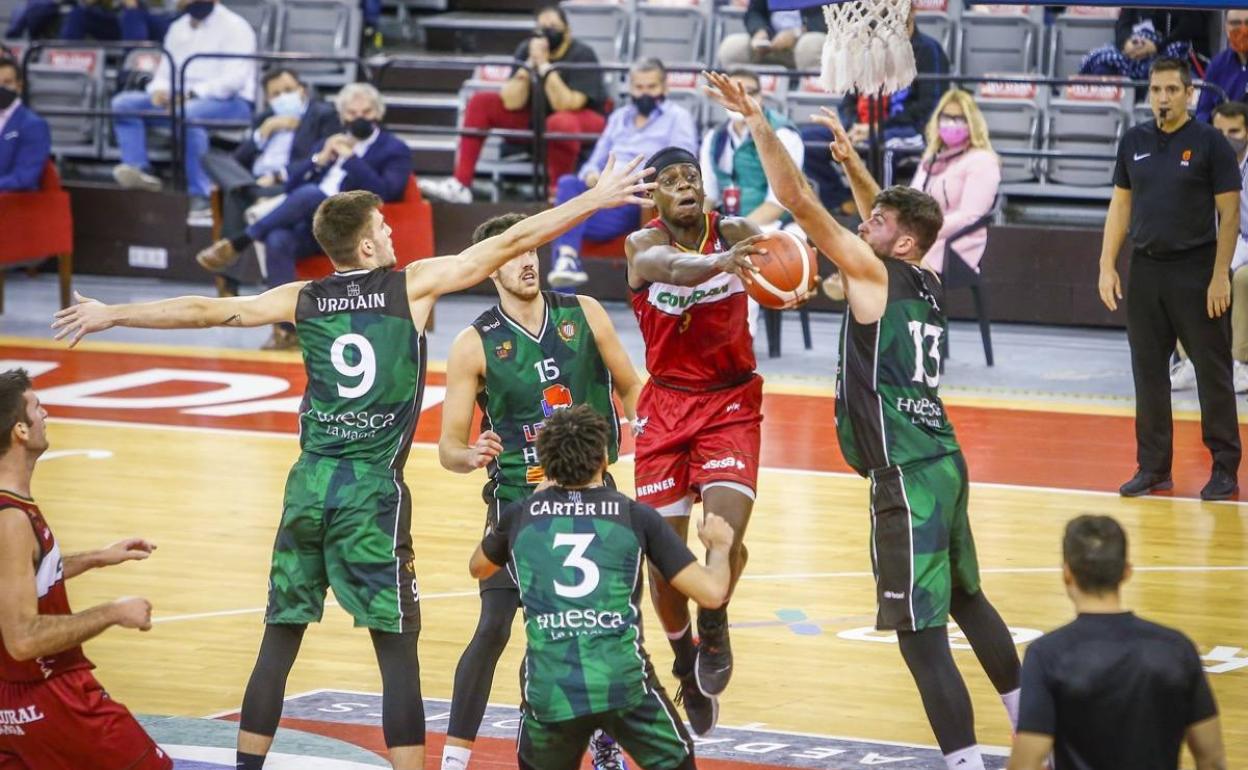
867	49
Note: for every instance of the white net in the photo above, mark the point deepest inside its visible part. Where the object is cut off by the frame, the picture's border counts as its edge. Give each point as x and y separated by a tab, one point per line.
867	49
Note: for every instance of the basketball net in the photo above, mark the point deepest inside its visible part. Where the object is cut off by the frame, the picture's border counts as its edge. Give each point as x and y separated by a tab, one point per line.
867	49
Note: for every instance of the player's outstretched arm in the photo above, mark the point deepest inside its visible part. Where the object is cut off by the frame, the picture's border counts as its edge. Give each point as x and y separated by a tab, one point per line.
465	368
1031	751
624	377
27	634
87	316
1205	741
130	549
850	253
708	585
653	259
861	183
618	185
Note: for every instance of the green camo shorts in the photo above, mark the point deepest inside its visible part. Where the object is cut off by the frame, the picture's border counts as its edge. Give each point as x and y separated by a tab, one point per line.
921	544
345	525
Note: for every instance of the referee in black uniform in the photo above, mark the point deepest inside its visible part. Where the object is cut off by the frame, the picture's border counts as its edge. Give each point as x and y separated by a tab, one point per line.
1172	174
1110	690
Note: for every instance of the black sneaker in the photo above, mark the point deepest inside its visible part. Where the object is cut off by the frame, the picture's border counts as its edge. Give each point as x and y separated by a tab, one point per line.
702	710
714	666
1222	486
1142	483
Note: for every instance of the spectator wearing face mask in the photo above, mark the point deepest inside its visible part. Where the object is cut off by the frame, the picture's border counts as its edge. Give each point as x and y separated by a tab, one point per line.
1142	35
574	100
960	170
645	125
365	157
25	139
216	89
1229	69
285	133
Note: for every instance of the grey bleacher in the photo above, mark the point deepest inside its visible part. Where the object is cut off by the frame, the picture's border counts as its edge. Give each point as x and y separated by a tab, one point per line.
327	27
604	26
1004	39
69	78
674	34
1014	114
262	15
1084	120
8	9
1074	33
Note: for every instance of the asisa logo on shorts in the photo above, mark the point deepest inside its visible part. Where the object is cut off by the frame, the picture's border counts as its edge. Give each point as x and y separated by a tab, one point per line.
726	463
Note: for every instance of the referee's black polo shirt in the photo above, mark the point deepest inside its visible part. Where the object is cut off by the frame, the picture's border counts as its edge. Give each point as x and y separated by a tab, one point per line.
1173	179
1115	691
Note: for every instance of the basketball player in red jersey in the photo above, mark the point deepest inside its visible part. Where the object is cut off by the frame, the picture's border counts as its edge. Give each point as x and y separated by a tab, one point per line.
699	416
53	714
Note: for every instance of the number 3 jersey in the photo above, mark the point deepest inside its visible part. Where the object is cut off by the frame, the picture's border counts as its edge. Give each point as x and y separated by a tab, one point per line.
888	411
528	377
365	363
577	556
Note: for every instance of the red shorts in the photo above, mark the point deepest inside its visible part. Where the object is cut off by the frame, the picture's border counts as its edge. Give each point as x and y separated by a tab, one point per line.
69	723
690	439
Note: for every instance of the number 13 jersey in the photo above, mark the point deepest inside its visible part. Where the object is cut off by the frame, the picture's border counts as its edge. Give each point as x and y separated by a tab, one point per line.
365	363
888	410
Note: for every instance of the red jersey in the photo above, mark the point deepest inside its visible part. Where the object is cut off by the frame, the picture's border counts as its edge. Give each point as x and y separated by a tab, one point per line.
697	337
50	587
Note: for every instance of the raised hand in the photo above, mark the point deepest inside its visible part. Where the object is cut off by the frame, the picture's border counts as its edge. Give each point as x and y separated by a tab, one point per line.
84	317
618	186
487	446
731	95
841	147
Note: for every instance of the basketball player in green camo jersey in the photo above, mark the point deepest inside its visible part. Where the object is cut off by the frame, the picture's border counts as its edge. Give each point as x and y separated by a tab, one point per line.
893	428
575	550
346	517
532	353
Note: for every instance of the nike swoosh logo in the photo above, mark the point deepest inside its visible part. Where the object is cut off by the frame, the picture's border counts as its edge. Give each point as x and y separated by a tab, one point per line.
1137	156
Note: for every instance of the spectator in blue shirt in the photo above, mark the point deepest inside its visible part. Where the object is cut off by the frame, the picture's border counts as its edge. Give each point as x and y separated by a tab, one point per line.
1229	69
647	124
25	140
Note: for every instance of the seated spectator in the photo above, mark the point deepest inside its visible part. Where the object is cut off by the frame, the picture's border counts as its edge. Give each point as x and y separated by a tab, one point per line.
788	38
286	133
101	20
217	89
1142	35
647	124
960	170
729	159
904	116
1229	69
38	19
365	157
575	102
25	140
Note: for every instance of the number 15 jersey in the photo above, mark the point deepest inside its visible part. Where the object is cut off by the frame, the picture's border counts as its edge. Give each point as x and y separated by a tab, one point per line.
365	363
888	410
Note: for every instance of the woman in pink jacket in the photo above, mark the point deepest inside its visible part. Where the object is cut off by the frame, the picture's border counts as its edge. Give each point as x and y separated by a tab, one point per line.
961	171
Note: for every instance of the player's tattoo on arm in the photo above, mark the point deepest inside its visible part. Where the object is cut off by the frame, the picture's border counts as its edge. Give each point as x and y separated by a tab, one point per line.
234	320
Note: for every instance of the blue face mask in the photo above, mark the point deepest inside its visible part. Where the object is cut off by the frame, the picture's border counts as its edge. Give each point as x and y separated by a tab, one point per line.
289	104
199	9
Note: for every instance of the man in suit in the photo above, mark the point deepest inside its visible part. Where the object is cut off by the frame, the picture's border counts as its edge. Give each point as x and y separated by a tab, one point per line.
25	140
286	132
364	157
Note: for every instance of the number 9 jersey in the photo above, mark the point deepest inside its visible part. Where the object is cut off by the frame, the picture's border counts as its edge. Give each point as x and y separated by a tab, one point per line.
365	362
888	410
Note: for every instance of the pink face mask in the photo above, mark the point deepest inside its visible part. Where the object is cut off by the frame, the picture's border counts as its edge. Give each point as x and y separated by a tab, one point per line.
955	134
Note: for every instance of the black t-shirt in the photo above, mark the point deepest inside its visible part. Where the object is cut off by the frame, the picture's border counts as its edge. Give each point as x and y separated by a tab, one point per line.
587	81
1173	179
1115	691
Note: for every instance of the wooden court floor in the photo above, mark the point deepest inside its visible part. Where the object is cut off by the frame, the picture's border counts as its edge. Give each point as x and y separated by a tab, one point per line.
161	452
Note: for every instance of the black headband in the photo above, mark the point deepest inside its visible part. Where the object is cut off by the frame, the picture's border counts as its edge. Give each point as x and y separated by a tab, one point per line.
670	156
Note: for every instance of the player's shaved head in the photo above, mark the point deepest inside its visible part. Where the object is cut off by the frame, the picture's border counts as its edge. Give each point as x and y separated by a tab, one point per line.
13	386
573	445
1094	548
342	221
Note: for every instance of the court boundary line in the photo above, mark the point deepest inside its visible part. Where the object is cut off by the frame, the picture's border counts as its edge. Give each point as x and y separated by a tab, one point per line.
788	471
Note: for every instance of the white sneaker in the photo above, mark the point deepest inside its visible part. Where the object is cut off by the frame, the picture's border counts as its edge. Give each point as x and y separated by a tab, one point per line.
134	178
448	189
567	271
1240	377
1183	375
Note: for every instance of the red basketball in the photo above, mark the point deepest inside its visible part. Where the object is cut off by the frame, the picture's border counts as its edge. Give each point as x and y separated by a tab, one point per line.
785	273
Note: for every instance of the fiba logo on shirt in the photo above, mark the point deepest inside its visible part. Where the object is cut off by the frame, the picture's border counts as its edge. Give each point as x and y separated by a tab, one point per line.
1187	158
555	397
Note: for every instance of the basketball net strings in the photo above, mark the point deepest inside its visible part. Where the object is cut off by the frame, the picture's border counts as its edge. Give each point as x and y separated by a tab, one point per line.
867	49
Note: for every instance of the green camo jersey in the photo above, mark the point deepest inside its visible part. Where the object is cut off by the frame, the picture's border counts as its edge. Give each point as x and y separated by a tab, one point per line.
528	377
366	367
888	411
576	556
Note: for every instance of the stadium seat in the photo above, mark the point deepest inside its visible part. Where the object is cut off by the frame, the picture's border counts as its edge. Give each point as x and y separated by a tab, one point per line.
1088	118
805	101
602	25
262	15
1013	112
936	19
327	27
411	225
54	235
70	78
1076	32
997	38
672	32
